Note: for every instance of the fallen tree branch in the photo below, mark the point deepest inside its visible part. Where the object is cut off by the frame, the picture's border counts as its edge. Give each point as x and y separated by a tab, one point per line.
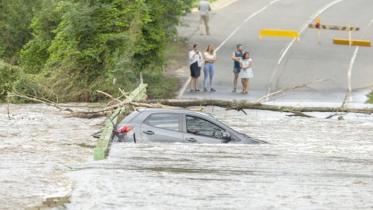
299	114
11	94
108	95
239	105
304	85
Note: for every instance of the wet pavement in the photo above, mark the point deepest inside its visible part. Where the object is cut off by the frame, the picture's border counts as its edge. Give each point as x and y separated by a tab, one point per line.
310	163
280	63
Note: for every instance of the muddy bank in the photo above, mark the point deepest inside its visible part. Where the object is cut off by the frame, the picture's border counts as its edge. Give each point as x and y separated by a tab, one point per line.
37	146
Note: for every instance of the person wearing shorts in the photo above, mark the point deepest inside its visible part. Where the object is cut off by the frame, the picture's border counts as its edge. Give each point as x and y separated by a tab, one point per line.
204	7
236	56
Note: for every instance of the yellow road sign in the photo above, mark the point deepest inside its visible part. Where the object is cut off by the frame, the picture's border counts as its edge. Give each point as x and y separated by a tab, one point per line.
339	28
353	42
278	33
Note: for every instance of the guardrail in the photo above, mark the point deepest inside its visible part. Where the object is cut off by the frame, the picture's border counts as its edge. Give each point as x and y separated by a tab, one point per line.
107	134
278	33
352	42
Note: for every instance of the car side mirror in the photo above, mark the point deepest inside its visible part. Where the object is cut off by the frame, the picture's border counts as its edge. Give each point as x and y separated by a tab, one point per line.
226	136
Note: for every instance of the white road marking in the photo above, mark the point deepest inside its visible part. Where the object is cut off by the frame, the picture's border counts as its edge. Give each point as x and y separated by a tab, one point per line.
243	23
304	26
350	67
225	41
349	72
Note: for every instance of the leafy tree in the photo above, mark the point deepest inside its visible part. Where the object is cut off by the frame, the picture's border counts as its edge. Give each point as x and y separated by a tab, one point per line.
15	19
74	47
35	52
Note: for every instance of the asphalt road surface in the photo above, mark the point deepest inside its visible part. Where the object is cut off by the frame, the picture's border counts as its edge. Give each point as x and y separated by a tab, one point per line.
279	63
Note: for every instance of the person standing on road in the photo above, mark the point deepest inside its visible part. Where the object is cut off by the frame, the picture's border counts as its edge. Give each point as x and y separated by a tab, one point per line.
246	71
236	56
209	68
195	62
204	7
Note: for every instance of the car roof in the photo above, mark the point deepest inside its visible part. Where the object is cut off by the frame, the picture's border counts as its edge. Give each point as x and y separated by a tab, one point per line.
179	111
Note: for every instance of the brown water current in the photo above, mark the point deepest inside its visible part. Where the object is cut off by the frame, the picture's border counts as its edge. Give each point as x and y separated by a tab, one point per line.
310	163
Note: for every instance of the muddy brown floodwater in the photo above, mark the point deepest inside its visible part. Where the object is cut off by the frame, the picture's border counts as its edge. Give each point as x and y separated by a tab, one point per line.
310	163
37	146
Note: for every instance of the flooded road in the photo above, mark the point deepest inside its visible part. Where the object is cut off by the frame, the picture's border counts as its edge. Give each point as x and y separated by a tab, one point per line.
37	146
310	163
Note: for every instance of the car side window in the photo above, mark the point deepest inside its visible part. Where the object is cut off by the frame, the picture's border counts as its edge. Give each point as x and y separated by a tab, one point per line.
199	126
164	121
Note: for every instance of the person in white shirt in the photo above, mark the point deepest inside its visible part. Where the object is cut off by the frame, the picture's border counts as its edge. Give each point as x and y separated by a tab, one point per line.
246	72
209	67
204	7
195	62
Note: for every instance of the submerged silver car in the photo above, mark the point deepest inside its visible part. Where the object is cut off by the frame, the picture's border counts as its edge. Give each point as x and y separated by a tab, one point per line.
175	125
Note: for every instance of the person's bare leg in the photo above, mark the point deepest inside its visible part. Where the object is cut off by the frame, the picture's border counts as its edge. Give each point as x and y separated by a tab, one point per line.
207	19
243	84
191	84
201	22
235	81
247	84
196	83
246	88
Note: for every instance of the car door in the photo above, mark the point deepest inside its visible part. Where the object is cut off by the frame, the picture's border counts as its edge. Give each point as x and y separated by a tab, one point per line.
162	127
201	130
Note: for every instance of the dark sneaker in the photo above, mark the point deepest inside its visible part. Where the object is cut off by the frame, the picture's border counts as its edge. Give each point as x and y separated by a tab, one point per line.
213	90
234	90
204	89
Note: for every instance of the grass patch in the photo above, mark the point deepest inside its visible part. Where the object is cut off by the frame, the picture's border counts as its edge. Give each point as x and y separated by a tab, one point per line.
161	87
370	96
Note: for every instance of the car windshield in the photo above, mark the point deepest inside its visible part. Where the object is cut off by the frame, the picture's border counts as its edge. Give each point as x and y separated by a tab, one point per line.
230	127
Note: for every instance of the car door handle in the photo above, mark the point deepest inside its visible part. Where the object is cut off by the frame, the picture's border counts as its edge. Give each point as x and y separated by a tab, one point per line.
149	132
191	139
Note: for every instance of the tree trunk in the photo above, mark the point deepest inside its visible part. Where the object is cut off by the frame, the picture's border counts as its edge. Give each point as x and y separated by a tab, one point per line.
240	105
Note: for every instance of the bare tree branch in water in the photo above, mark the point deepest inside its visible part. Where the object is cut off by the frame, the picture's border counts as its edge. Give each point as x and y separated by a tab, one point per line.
304	85
186	103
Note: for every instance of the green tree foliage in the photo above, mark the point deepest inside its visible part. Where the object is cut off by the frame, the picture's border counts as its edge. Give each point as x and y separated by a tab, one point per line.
8	75
79	46
35	52
15	19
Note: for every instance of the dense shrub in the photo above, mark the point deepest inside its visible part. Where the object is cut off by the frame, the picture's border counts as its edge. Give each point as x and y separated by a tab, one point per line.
75	47
8	75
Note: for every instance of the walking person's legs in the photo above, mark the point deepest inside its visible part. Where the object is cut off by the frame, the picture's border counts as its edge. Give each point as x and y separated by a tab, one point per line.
205	75
212	71
201	24
207	19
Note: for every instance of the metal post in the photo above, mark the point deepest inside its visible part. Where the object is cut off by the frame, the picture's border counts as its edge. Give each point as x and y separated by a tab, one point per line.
319	34
349	35
141	80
